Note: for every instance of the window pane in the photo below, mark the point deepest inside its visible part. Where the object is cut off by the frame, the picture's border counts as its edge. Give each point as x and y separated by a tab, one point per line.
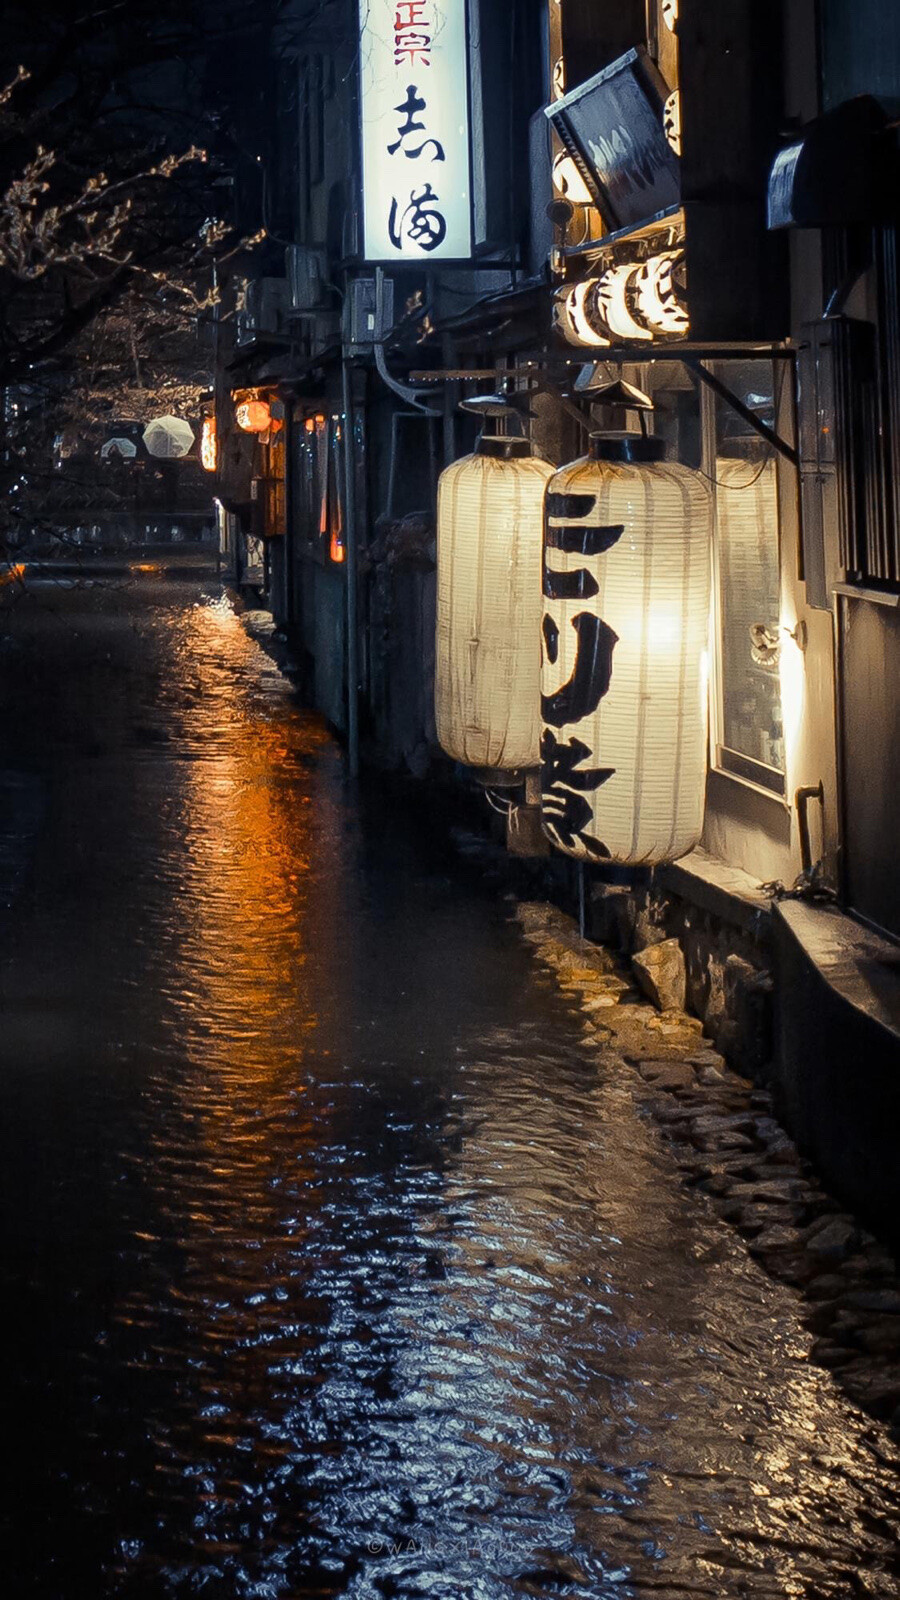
749	585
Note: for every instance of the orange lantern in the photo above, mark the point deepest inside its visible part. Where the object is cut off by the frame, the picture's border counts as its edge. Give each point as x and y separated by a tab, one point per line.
253	416
209	452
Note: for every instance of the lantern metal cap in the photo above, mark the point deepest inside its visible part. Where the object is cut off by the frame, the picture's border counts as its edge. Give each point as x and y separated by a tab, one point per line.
632	447
505	449
619	393
497	405
497	409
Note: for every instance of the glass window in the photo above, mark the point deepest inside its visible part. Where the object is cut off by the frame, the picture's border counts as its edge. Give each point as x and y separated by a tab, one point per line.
750	733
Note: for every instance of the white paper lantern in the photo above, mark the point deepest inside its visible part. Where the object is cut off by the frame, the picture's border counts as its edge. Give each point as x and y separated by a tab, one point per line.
168	438
634	300
568	181
126	449
571	315
487	668
625	628
672	122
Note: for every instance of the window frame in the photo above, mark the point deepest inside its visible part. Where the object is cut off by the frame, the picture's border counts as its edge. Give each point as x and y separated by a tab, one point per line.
723	759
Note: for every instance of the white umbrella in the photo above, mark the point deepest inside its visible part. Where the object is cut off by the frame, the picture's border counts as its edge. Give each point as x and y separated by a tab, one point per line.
168	437
119	447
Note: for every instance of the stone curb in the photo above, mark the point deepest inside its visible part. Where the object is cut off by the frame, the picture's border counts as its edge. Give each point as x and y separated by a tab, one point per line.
730	1146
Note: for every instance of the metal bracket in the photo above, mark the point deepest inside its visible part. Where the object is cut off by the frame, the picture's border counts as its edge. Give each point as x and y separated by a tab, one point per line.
746	415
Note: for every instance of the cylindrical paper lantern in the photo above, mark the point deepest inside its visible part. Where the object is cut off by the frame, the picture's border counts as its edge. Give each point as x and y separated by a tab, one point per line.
625	629
487	668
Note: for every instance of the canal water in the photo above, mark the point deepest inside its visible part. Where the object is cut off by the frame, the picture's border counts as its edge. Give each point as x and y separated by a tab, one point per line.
334	1263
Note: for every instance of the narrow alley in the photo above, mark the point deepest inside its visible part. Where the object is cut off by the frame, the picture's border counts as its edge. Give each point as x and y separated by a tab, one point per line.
344	1268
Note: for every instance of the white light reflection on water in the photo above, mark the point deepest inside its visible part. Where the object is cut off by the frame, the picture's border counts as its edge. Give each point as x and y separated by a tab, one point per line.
337	1266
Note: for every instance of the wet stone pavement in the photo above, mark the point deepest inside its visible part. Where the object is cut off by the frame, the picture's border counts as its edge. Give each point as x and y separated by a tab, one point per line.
334	1262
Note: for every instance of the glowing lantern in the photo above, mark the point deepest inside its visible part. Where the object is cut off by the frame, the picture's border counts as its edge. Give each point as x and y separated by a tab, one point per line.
657	299
613	303
254	416
487	671
625	626
209	444
672	121
168	438
568	181
634	300
571	315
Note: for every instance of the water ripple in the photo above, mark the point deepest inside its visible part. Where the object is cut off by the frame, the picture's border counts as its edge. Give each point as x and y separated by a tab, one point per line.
336	1265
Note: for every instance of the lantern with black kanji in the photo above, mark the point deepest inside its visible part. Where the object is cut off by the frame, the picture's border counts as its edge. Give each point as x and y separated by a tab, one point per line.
254	416
624	634
487	667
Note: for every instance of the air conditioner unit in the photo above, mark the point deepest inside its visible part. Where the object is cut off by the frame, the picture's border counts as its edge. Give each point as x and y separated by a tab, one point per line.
362	325
325	331
244	327
272	305
306	274
265	310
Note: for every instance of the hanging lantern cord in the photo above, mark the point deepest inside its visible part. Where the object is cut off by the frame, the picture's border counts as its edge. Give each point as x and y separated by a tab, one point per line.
497	410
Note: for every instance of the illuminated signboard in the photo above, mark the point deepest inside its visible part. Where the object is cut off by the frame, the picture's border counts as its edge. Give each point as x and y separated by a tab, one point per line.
414	90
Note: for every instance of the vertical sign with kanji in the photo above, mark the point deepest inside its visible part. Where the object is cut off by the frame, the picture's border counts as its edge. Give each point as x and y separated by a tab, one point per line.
414	87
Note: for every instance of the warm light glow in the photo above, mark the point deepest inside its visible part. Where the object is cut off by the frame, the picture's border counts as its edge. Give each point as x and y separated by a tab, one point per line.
309	425
625	638
571	318
655	294
792	677
254	416
13	573
567	180
752	713
635	300
487	669
209	445
672	121
336	547
670	14
612	303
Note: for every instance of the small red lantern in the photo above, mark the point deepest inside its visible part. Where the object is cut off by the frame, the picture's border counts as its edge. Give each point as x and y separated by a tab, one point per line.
254	416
